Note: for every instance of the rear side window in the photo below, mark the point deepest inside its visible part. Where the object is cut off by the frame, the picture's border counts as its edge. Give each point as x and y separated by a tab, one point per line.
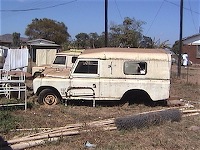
60	60
87	67
135	68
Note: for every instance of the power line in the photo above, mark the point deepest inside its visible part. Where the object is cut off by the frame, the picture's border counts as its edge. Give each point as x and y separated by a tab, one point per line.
183	7
155	17
192	17
37	3
118	10
38	8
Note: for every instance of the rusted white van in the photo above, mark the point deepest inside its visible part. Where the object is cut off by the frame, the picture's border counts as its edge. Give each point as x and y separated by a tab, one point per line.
62	60
108	74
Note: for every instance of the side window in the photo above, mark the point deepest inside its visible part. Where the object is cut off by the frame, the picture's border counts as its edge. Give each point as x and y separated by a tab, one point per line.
87	67
135	68
60	60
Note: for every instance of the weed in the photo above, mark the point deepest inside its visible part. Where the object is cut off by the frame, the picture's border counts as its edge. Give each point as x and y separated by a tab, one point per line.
8	121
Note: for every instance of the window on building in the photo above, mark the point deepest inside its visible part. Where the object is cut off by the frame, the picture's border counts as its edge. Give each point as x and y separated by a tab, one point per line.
135	68
198	51
87	67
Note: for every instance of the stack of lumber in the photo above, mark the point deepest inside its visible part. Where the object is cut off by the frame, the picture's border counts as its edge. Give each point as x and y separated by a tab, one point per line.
54	134
57	133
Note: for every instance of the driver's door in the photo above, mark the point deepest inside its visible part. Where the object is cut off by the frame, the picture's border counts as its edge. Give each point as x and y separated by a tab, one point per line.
84	80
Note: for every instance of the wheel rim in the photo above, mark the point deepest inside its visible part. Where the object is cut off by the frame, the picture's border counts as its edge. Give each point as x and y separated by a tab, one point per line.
50	100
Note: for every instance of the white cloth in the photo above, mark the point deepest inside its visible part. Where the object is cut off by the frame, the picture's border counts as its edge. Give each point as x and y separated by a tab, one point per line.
185	59
16	59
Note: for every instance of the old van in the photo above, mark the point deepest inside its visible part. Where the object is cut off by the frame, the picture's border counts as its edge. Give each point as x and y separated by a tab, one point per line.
108	74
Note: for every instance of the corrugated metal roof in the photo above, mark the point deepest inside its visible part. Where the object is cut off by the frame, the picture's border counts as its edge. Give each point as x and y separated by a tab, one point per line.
192	40
45	44
42	42
192	36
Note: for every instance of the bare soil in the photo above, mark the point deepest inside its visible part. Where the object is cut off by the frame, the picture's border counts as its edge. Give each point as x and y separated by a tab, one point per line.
167	136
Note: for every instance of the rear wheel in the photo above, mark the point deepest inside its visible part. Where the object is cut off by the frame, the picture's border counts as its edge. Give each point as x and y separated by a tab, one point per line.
48	97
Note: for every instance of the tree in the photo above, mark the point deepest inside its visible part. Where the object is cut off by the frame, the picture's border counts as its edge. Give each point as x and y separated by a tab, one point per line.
175	47
127	34
147	42
115	36
93	37
16	39
47	29
101	40
82	40
164	44
158	44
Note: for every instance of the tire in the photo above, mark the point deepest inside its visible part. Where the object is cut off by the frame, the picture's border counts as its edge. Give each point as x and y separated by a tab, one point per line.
48	97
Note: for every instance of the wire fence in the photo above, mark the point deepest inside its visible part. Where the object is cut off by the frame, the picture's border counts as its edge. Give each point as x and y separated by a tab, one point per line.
189	75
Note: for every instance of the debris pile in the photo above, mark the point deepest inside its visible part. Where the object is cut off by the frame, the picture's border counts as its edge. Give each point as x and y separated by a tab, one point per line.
136	121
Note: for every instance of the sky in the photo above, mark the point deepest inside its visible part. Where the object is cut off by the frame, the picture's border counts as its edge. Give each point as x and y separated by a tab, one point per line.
161	17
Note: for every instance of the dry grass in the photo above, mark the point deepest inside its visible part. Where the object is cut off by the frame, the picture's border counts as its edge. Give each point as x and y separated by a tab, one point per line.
167	136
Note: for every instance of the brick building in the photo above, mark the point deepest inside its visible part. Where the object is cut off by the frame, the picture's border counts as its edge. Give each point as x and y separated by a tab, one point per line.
191	45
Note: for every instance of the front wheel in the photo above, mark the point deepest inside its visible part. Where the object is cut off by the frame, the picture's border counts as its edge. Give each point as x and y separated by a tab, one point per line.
48	97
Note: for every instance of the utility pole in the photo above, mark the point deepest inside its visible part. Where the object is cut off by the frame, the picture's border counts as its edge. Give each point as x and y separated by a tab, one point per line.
180	38
106	23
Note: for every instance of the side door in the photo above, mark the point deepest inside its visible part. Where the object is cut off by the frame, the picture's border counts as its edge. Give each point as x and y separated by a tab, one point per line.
84	80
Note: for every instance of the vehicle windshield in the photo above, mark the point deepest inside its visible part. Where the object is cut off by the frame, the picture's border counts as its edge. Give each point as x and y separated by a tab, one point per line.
60	60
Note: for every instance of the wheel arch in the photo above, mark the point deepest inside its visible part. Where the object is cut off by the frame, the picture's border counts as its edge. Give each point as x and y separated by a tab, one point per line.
48	87
136	96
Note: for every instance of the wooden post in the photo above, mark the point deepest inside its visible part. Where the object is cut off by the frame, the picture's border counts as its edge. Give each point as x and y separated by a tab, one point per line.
180	38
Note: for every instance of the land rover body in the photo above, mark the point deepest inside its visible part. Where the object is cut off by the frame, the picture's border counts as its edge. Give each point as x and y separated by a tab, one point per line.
62	60
108	74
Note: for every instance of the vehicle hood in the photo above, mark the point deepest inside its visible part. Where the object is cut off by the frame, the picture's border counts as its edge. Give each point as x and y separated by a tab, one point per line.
52	66
45	65
56	72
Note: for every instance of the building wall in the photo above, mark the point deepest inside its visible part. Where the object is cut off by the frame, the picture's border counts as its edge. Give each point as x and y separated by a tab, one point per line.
191	50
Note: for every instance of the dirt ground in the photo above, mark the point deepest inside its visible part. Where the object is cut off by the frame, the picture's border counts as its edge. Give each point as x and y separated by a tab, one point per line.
167	136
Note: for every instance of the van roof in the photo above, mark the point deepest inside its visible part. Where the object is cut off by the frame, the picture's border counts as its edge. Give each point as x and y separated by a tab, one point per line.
69	53
125	53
